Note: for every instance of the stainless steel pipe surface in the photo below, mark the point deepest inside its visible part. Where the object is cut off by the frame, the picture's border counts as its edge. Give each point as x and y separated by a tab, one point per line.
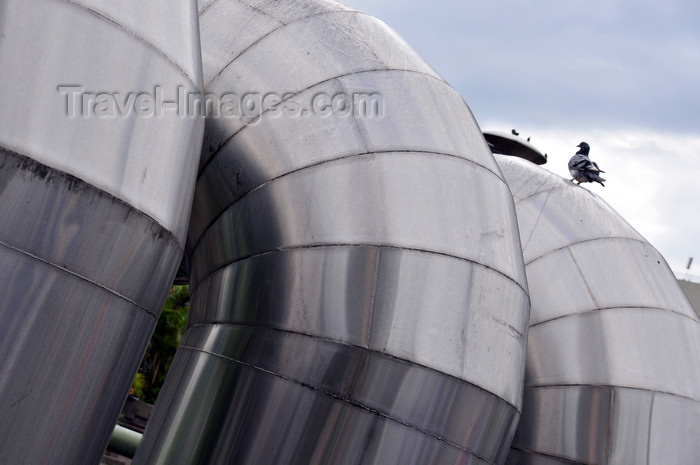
359	285
358	290
613	358
95	195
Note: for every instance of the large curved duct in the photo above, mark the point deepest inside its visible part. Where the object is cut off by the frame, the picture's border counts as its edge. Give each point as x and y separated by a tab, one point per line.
95	202
613	358
358	288
358	284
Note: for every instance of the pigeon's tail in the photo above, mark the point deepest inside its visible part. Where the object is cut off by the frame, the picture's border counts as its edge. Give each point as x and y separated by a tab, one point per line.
598	179
592	176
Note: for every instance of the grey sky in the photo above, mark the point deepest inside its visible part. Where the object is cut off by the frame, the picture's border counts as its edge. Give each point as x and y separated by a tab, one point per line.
616	62
622	75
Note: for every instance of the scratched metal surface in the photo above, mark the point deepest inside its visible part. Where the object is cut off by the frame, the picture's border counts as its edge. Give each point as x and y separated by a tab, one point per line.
613	356
358	286
94	206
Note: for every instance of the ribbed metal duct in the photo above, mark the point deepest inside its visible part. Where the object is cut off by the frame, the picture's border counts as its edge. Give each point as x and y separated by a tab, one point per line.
94	201
358	287
613	357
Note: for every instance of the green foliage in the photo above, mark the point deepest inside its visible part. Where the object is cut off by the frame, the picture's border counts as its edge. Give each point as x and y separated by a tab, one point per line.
138	385
164	342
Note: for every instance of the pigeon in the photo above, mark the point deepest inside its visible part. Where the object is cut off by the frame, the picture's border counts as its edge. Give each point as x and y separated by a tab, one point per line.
582	169
514	132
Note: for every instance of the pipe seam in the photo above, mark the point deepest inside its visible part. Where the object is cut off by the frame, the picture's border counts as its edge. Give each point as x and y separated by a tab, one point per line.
353	402
354	156
612	308
613	386
561	460
55	172
133	34
377	246
223	144
79	276
345	343
272	31
571	244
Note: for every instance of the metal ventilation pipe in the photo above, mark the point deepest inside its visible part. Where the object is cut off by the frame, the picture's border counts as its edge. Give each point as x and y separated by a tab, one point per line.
613	355
357	278
94	197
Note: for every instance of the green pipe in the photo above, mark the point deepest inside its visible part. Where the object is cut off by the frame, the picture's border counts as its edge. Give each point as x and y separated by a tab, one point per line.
124	441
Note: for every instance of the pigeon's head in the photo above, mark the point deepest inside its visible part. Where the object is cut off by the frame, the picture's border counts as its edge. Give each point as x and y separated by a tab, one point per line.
584	147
